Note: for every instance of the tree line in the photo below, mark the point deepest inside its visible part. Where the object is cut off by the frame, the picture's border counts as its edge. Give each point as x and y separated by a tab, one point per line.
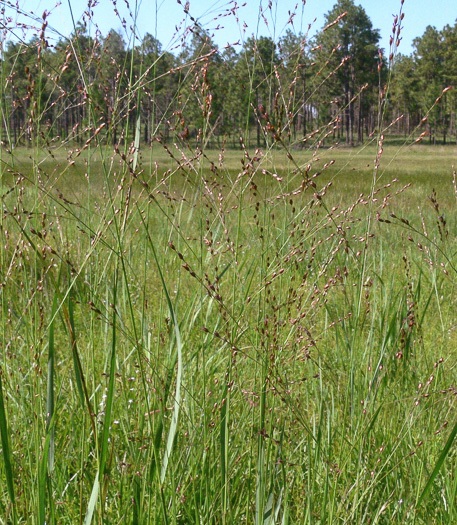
333	87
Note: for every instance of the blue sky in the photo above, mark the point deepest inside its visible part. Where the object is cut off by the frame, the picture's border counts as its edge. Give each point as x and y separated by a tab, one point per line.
161	17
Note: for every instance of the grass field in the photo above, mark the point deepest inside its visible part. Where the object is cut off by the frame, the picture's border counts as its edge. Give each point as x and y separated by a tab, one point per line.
228	337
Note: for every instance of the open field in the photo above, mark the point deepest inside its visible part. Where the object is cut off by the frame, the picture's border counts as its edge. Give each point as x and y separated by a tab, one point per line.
230	335
227	338
425	167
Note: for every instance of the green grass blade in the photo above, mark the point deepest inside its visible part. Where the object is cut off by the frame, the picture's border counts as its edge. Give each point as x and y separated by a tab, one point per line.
223	450
47	460
50	385
43	473
6	451
74	351
177	402
107	421
78	369
92	501
176	407
439	464
110	395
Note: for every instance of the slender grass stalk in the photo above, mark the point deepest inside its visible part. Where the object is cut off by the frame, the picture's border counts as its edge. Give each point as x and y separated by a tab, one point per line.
441	459
6	454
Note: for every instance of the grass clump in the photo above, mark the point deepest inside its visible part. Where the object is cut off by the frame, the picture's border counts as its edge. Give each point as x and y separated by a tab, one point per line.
199	335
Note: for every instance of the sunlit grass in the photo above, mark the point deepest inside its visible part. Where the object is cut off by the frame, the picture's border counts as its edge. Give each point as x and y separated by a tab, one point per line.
200	335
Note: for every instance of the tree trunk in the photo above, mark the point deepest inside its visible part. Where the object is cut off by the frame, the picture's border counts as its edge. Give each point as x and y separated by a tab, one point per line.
347	111
359	121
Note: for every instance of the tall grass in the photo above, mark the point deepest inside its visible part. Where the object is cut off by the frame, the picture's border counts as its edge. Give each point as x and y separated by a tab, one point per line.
191	335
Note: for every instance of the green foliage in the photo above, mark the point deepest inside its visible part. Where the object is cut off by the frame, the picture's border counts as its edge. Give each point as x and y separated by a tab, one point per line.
192	334
348	52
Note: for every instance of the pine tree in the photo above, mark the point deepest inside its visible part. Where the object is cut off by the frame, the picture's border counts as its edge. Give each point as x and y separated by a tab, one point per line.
348	50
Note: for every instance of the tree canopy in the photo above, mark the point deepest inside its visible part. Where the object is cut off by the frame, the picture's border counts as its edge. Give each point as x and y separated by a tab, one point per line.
265	91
